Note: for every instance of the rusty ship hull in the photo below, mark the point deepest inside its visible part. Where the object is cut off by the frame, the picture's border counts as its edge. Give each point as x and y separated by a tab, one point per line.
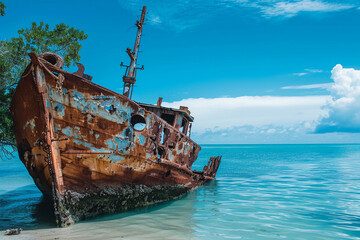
80	144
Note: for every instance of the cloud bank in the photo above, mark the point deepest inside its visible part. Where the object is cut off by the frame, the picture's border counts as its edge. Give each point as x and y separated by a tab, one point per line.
344	107
213	114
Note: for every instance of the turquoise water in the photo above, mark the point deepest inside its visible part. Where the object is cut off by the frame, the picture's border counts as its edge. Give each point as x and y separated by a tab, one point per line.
261	192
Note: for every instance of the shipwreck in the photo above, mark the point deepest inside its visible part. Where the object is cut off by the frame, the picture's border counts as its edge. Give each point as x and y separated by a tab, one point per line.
93	151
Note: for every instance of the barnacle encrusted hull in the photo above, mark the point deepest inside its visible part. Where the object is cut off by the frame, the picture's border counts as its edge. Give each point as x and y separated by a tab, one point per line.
94	151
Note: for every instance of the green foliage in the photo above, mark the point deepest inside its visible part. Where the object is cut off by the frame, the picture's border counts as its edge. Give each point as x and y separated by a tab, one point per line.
2	9
62	40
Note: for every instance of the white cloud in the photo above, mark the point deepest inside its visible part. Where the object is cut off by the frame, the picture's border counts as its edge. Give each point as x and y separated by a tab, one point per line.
307	71
344	108
300	74
314	70
310	86
154	19
292	8
226	113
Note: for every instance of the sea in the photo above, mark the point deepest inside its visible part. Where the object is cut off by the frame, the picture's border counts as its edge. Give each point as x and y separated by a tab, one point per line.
260	192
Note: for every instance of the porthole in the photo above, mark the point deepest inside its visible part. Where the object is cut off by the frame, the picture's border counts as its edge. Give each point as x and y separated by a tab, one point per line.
138	122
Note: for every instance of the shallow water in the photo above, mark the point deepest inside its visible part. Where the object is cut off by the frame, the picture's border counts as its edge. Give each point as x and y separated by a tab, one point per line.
261	192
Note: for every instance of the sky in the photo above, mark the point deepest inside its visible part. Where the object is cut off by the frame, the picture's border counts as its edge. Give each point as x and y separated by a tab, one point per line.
251	72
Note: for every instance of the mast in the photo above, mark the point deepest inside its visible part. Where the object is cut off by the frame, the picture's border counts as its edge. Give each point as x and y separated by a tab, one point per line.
129	78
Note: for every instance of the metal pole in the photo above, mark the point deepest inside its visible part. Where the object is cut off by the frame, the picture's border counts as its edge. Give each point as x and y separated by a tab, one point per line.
130	78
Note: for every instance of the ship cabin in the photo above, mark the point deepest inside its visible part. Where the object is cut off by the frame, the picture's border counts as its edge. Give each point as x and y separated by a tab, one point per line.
178	118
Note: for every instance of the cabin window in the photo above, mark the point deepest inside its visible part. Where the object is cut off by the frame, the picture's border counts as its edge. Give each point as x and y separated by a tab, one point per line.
169	118
161	152
138	122
163	137
189	129
183	127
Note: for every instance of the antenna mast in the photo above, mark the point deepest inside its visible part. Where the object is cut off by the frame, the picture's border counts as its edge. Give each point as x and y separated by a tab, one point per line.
130	74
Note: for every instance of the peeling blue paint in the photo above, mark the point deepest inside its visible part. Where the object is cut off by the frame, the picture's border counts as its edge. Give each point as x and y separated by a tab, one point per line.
99	150
148	155
116	158
50	92
110	144
48	105
125	134
95	106
77	100
57	97
77	132
170	156
59	108
141	139
102	97
57	127
141	112
67	131
148	121
122	145
83	143
85	110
